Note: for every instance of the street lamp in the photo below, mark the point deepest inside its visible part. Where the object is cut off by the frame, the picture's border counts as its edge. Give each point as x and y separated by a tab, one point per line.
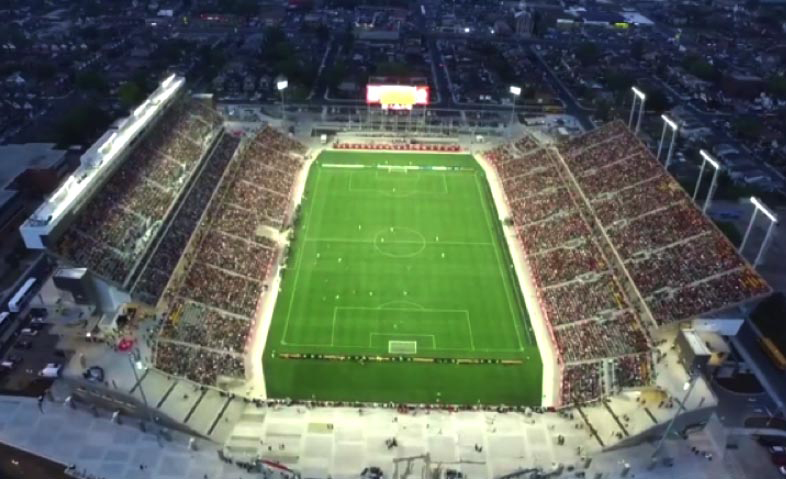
759	206
135	361
516	92
641	96
281	85
693	378
706	158
667	122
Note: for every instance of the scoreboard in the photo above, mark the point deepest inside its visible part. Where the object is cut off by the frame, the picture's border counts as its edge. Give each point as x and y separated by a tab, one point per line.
397	97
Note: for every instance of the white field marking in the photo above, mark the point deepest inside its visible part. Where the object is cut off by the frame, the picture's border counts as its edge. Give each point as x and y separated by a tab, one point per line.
424	310
499	265
299	262
433	338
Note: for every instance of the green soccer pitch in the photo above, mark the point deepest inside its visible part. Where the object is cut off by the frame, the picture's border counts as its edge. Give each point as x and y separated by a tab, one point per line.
400	263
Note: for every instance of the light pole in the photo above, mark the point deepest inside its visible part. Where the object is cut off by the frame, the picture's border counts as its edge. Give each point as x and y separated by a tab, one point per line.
688	388
641	96
667	122
281	85
759	206
516	92
706	158
135	360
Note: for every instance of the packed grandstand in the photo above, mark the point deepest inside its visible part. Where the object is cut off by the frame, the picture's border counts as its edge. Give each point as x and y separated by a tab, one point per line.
596	201
191	222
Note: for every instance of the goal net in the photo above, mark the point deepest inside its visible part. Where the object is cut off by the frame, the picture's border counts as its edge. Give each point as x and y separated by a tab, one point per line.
402	347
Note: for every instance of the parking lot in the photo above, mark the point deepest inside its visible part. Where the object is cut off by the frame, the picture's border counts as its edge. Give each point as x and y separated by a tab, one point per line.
26	353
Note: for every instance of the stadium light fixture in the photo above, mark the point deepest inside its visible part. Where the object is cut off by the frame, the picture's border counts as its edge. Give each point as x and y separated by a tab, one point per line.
641	96
763	208
706	158
515	90
667	122
759	206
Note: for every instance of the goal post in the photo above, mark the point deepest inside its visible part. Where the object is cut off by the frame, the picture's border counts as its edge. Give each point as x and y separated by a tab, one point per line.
402	347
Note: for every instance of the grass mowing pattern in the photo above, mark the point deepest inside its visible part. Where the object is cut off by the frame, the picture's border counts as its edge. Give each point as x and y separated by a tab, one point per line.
416	257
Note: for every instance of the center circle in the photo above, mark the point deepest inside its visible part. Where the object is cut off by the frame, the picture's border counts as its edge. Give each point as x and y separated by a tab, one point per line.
399	242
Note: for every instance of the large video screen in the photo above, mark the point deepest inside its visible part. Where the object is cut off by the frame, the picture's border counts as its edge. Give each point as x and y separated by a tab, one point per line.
397	97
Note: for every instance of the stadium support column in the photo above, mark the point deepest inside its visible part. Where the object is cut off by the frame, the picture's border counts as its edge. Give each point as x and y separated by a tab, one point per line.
667	122
515	91
748	231
706	158
281	85
760	207
641	96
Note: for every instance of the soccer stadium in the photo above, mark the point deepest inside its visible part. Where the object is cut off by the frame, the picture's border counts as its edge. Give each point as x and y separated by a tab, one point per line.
267	272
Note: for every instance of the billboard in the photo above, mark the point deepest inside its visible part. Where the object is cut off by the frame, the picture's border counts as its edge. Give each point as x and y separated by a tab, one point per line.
397	97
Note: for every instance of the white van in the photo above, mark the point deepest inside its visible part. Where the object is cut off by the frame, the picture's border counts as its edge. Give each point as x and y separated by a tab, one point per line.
51	370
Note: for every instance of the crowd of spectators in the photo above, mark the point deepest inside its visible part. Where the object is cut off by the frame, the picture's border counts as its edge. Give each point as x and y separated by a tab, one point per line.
113	230
212	304
636	200
601	338
578	300
197	364
672	251
194	323
553	232
581	383
709	295
604	193
564	264
161	265
632	371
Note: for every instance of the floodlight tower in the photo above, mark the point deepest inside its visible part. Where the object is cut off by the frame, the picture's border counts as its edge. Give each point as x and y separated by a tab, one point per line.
667	122
641	96
759	206
281	85
706	158
516	92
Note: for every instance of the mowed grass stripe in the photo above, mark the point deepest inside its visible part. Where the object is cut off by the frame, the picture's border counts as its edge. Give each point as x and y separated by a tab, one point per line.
395	262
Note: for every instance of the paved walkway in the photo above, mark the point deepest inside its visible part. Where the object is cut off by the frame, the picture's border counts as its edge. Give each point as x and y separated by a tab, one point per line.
103	448
338	442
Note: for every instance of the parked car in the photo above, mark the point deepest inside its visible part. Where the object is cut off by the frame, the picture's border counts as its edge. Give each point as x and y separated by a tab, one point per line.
51	370
28	332
23	344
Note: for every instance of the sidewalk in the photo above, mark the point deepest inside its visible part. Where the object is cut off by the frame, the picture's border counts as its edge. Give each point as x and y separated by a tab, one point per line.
105	449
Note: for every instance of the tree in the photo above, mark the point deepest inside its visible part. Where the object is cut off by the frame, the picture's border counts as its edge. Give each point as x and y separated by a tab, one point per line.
637	49
658	101
618	80
701	68
130	95
588	53
80	124
747	127
92	80
776	86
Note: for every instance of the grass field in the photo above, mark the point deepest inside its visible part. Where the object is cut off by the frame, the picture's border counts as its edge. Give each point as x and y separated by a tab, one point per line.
388	262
